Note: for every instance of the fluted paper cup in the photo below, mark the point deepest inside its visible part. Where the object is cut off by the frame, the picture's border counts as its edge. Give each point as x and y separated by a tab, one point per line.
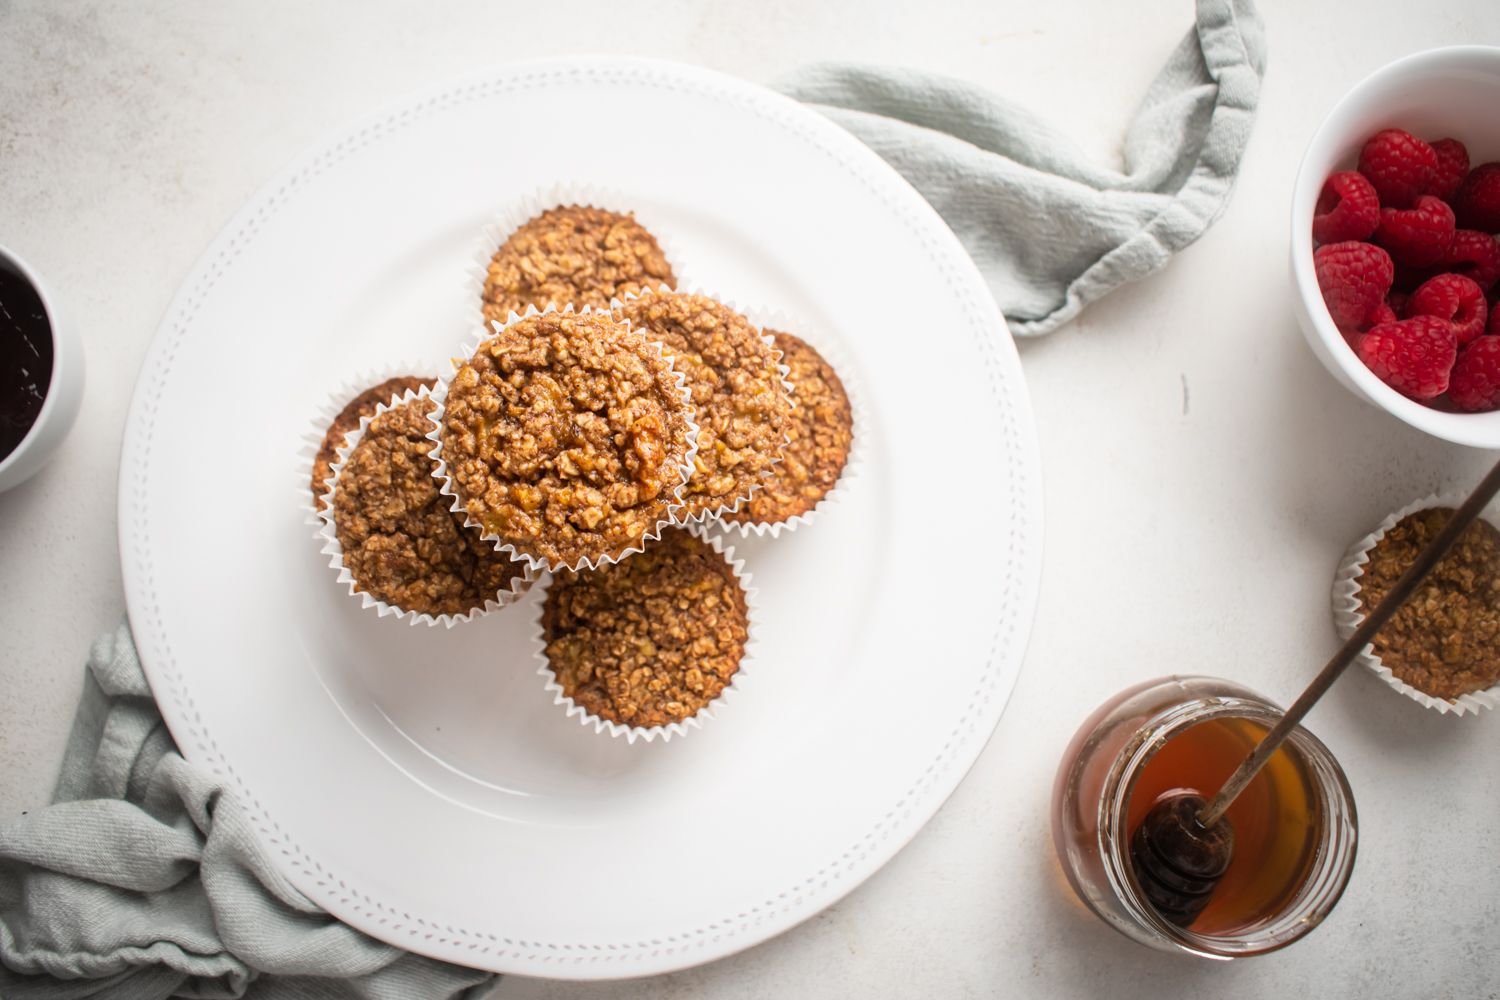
665	733
1347	615
328	533
327	412
783	322
733	504
516	213
449	490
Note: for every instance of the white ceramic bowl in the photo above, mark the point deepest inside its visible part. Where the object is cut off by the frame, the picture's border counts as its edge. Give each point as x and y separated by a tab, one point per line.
1442	92
64	389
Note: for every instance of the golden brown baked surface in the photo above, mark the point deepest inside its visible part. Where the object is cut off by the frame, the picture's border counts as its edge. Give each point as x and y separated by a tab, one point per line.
820	429
572	254
565	435
741	406
1446	639
652	639
401	541
361	406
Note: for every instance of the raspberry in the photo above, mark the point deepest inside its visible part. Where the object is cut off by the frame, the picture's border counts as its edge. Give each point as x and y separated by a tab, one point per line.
1475	385
1454	298
1382	315
1400	165
1478	200
1354	278
1419	236
1413	356
1348	209
1452	165
1475	255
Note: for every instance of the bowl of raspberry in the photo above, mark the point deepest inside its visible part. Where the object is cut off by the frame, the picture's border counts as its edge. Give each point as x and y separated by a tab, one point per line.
1396	242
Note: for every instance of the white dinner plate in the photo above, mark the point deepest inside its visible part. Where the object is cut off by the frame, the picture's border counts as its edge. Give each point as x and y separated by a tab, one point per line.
417	781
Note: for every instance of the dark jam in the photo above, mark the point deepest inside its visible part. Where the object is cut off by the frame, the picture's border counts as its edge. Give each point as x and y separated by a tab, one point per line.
25	358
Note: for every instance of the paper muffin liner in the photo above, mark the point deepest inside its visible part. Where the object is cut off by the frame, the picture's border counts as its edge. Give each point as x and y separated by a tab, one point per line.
445	481
776	319
327	412
513	215
650	733
714	514
1347	615
332	548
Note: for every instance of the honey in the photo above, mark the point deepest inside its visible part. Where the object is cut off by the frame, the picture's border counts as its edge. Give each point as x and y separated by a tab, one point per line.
1275	819
1295	827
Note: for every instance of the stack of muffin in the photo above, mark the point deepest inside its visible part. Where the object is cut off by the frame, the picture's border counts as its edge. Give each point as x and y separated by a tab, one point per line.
600	434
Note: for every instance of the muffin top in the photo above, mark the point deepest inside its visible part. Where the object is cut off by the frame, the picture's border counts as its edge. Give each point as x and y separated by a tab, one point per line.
652	639
572	254
401	541
820	430
566	436
1445	640
741	406
361	406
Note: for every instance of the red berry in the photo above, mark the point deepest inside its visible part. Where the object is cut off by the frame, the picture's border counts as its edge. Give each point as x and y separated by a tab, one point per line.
1475	255
1400	165
1419	236
1413	356
1383	314
1454	298
1475	385
1354	278
1478	200
1452	165
1348	209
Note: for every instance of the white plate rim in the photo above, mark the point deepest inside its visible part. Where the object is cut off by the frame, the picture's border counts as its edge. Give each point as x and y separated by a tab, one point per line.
429	934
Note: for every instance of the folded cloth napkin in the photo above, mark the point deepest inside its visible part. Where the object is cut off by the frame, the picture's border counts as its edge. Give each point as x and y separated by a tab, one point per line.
144	880
1051	230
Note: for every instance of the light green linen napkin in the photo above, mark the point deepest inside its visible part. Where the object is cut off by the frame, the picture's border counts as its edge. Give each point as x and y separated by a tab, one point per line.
144	880
1051	230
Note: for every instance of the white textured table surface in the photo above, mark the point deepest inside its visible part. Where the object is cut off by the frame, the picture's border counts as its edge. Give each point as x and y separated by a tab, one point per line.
1203	474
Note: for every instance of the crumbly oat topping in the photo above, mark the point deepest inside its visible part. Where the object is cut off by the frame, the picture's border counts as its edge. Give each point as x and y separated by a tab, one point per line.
1446	639
361	406
742	407
401	541
820	429
573	254
652	639
565	435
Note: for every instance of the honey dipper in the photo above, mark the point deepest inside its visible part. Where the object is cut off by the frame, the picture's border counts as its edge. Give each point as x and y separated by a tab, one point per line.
1184	845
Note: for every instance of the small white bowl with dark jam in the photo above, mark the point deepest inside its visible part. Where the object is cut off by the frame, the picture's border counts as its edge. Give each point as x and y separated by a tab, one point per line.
41	373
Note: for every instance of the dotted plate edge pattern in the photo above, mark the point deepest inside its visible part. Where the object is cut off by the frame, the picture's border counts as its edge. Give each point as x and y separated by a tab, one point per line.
477	947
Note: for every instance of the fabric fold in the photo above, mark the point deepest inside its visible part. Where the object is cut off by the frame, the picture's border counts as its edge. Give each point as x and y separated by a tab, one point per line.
1052	230
145	880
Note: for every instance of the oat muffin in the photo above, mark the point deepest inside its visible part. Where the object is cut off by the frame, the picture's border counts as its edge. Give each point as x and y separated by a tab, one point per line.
361	406
741	406
1445	640
820	431
401	542
652	639
566	436
572	254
